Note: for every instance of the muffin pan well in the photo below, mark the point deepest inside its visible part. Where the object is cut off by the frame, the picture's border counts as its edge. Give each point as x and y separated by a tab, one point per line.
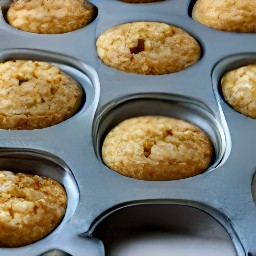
165	224
70	151
162	105
42	164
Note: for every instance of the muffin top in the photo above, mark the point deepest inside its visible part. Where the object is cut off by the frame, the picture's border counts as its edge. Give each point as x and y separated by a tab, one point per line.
36	95
150	48
157	148
233	16
239	89
31	207
50	16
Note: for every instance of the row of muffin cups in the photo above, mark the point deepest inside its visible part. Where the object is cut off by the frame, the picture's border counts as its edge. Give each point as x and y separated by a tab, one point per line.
198	34
92	13
163	104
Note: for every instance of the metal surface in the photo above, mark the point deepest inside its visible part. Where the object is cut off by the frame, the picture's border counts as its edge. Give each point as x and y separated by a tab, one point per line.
72	148
5	2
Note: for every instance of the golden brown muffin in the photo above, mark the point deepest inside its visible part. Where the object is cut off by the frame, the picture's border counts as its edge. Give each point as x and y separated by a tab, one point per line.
50	16
31	207
233	16
239	89
157	148
147	48
141	1
36	95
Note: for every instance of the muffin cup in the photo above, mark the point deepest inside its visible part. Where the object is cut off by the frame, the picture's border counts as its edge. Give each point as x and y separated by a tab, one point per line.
174	106
121	227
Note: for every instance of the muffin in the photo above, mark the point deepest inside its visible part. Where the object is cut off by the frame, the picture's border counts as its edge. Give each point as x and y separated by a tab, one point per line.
31	207
150	48
157	148
239	89
141	1
50	16
233	16
36	95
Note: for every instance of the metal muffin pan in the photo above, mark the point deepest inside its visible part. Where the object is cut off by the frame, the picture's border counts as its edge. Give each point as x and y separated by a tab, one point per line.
70	151
163	105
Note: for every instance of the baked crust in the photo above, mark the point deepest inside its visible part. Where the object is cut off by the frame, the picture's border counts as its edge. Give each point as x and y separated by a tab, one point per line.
36	95
50	16
148	48
30	207
239	89
157	148
226	15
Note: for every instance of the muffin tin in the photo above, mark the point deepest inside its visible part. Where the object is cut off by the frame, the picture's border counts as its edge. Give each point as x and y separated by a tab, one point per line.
69	152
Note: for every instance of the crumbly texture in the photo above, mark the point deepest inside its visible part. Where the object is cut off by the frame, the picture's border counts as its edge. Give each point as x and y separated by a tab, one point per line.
35	95
157	148
226	15
148	48
141	1
50	16
239	89
30	208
